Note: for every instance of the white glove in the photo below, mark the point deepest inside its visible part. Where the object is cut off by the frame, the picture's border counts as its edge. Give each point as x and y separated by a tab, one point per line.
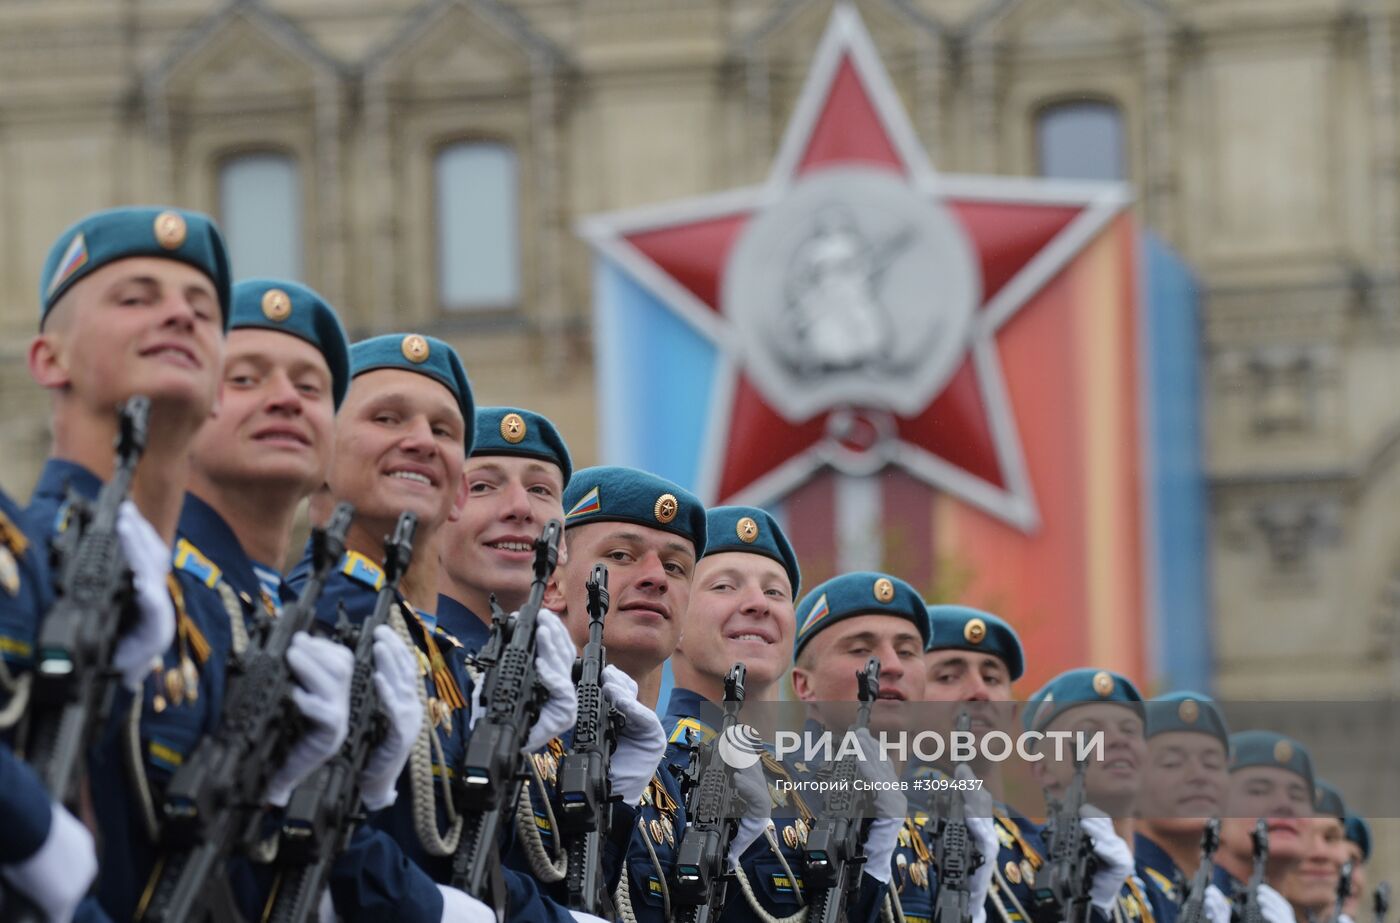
1115	859
751	786
149	557
57	876
1345	918
554	666
396	680
1274	906
586	917
461	907
1217	905
982	828
640	743
889	810
322	669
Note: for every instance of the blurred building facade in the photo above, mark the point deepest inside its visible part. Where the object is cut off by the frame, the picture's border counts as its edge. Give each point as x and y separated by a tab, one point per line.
423	162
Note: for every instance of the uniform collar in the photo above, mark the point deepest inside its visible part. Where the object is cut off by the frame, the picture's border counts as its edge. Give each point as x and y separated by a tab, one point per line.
462	623
204	528
59	474
1149	854
690	717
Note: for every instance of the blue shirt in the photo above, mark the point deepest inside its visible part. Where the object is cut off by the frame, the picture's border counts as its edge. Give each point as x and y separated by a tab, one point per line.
463	624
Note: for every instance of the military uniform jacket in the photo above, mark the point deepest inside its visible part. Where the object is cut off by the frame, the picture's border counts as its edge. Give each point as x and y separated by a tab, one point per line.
1155	866
463	624
177	704
1020	856
394	877
19	598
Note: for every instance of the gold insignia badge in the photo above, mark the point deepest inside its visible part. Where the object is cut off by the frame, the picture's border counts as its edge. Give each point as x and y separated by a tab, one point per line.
667	506
9	571
801	827
790	836
974	631
415	348
747	530
1188	711
1103	684
884	589
918	874
668	830
1027	872
1012	872
1283	752
175	686
170	230
513	428
655	828
276	305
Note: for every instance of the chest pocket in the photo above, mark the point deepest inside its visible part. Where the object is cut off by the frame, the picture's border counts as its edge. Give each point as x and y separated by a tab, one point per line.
772	883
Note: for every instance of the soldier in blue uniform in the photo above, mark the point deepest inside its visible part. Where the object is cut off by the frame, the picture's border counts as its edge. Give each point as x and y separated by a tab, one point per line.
1271	776
1311	885
742	610
515	477
841	624
135	301
974	657
46	854
265	450
649	532
1089	701
1184	785
400	440
1358	847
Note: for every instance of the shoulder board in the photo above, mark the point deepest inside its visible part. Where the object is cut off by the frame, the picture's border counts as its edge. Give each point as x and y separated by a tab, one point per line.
192	561
11	536
682	734
446	636
362	570
1167	886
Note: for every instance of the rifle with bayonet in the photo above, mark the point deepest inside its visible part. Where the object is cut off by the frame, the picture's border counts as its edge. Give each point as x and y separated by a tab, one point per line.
494	768
213	804
1193	908
953	851
325	809
585	798
699	878
1070	862
73	681
833	855
1246	907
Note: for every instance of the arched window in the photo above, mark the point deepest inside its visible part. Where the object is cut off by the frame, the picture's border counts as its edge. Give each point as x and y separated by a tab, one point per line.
260	214
478	226
1080	140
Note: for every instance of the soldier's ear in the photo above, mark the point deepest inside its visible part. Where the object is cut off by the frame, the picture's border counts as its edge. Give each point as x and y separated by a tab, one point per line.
803	686
554	599
459	500
46	364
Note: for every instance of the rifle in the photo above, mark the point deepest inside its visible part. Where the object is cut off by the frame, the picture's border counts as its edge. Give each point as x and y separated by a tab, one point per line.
953	852
833	852
73	681
699	878
212	805
325	809
1246	904
1070	860
493	771
1193	908
1343	891
585	798
1380	902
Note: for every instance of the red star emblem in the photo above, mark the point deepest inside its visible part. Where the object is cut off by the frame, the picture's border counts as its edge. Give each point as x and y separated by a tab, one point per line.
961	437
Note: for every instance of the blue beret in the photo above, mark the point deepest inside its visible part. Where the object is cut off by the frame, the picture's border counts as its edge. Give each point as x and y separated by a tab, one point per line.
965	629
1359	832
1268	748
413	352
1085	686
523	433
1187	711
611	493
107	236
288	307
859	593
1328	801
748	528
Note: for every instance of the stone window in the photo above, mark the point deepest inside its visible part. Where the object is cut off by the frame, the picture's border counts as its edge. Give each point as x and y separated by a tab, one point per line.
478	226
1080	139
260	205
